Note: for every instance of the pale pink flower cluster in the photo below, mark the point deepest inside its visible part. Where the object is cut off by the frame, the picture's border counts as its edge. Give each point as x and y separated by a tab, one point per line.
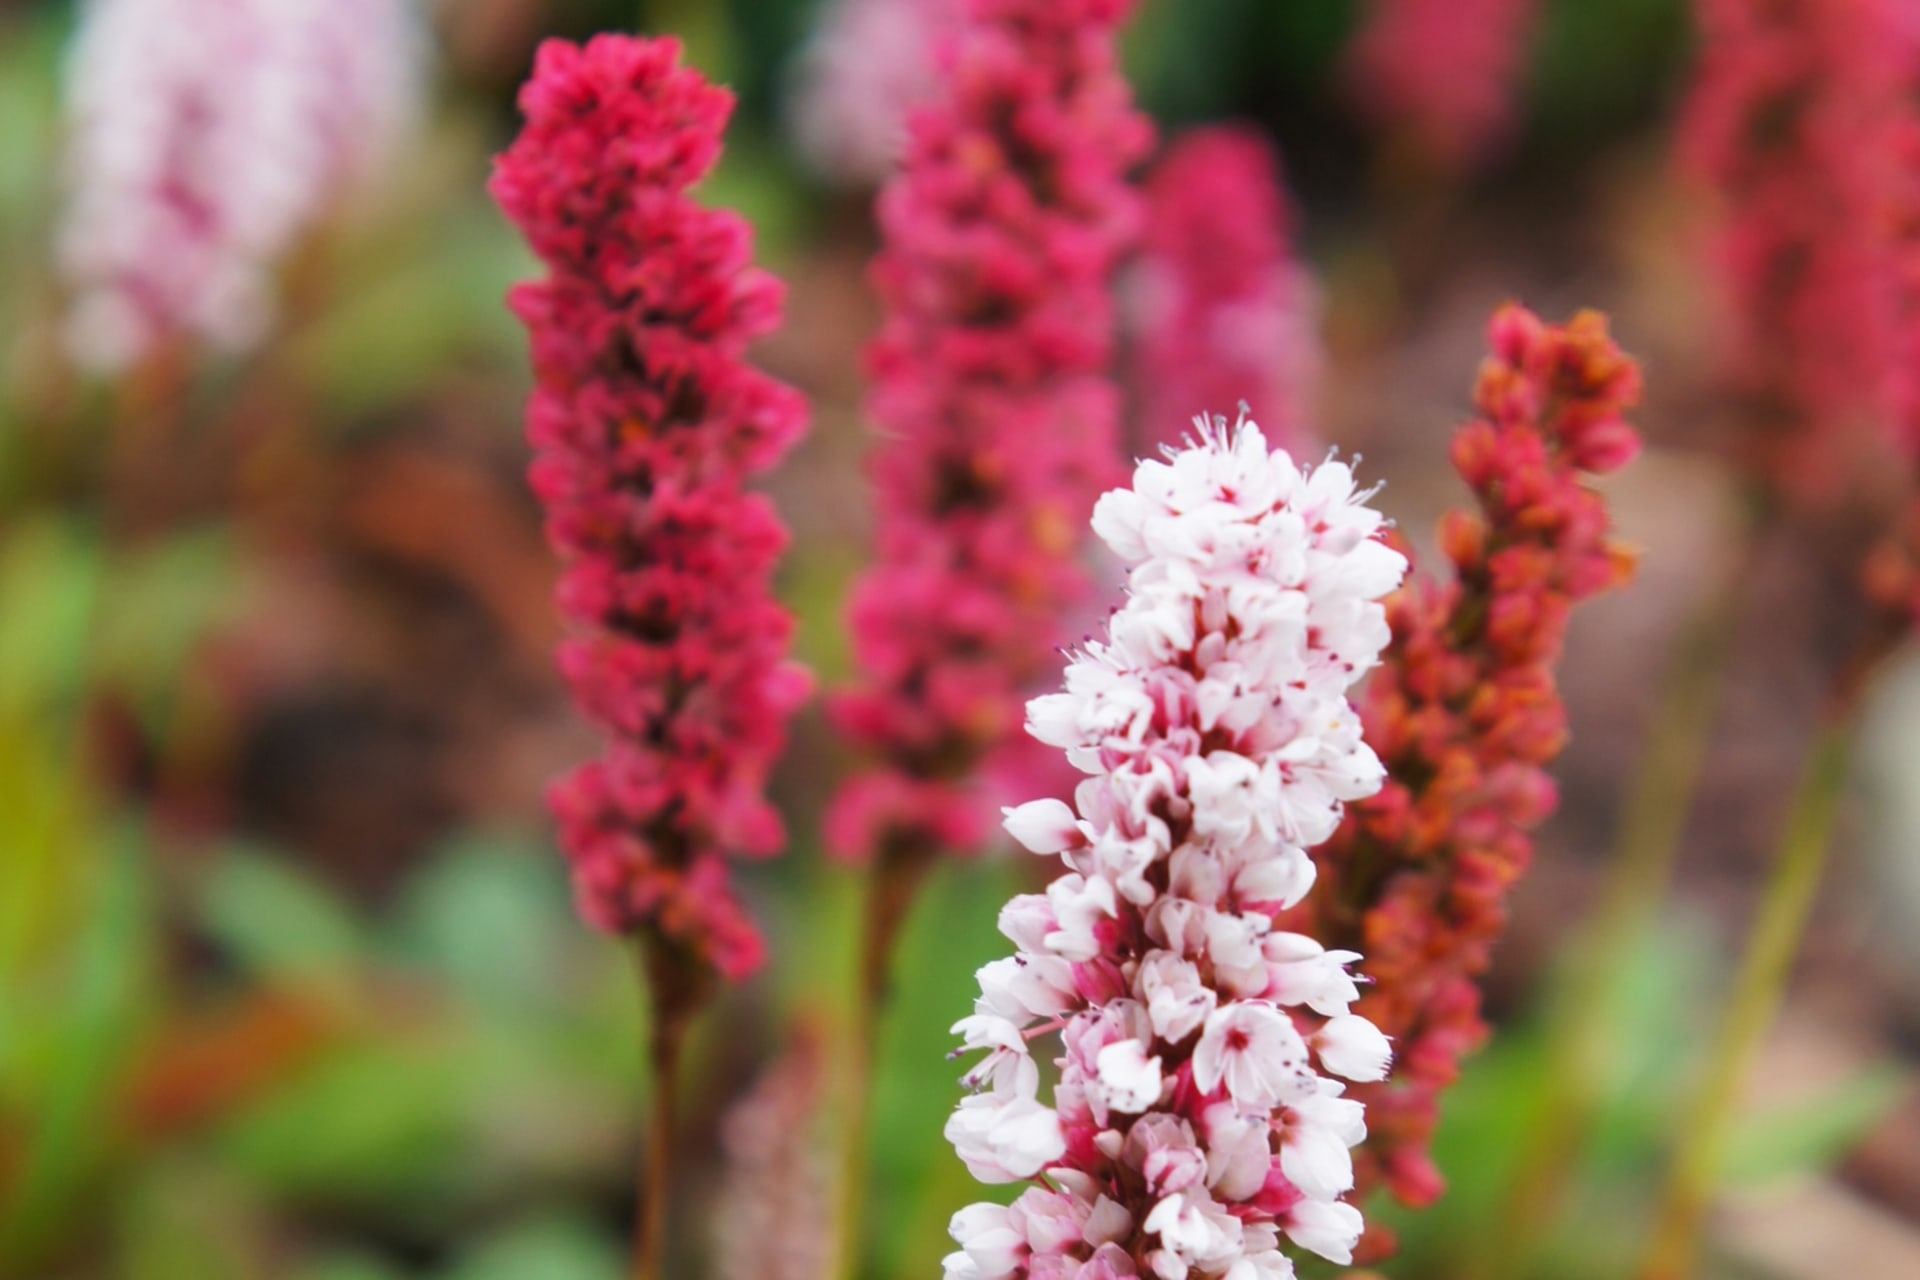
205	136
866	64
1197	1120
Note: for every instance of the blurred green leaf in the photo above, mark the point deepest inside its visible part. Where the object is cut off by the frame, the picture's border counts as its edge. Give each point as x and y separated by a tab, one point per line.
28	99
489	914
380	1122
167	597
404	315
51	574
185	1221
46	884
276	920
347	1266
1811	1136
555	1246
70	1021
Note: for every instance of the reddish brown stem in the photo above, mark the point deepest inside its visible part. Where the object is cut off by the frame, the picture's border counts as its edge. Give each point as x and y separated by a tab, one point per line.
676	986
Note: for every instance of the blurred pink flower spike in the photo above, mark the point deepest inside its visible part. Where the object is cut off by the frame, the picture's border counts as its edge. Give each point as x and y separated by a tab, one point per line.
1797	120
991	379
207	136
1219	308
1197	1122
647	422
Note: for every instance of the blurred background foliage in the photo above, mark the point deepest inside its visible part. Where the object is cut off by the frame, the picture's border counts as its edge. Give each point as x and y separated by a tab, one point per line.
289	980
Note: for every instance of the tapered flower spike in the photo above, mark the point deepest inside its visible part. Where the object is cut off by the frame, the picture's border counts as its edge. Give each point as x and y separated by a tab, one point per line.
1465	713
1200	1119
1219	308
205	137
646	422
1794	121
1442	74
991	381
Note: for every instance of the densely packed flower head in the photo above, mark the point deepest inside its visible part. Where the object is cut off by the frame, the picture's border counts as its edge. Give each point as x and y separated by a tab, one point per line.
1793	120
866	65
1466	715
646	421
205	137
1001	235
1442	73
1221	309
1198	1119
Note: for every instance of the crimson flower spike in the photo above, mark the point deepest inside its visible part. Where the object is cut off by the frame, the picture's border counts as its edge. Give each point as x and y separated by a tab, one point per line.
1466	716
646	423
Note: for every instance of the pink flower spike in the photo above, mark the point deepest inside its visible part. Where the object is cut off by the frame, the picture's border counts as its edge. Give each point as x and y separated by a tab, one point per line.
647	421
1795	123
991	380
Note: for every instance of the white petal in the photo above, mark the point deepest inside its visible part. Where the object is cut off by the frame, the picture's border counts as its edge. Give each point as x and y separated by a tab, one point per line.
1330	1230
1351	1046
1045	826
1131	1079
1315	1159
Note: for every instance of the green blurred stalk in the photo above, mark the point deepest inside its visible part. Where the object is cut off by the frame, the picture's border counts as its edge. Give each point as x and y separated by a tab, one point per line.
1652	825
891	888
1756	1000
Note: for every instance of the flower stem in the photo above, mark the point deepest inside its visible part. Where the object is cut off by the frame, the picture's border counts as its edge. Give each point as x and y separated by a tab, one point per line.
896	878
1756	999
650	1238
676	992
1652	825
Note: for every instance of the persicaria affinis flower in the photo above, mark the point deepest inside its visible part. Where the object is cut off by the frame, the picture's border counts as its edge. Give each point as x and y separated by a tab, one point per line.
991	380
647	421
205	137
1220	309
1795	121
1200	1117
1466	714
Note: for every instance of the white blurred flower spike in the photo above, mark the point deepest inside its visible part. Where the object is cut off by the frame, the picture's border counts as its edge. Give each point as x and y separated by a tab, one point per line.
204	137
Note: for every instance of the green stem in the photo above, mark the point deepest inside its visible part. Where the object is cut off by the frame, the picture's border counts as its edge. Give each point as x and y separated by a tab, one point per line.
1652	825
1756	999
894	882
